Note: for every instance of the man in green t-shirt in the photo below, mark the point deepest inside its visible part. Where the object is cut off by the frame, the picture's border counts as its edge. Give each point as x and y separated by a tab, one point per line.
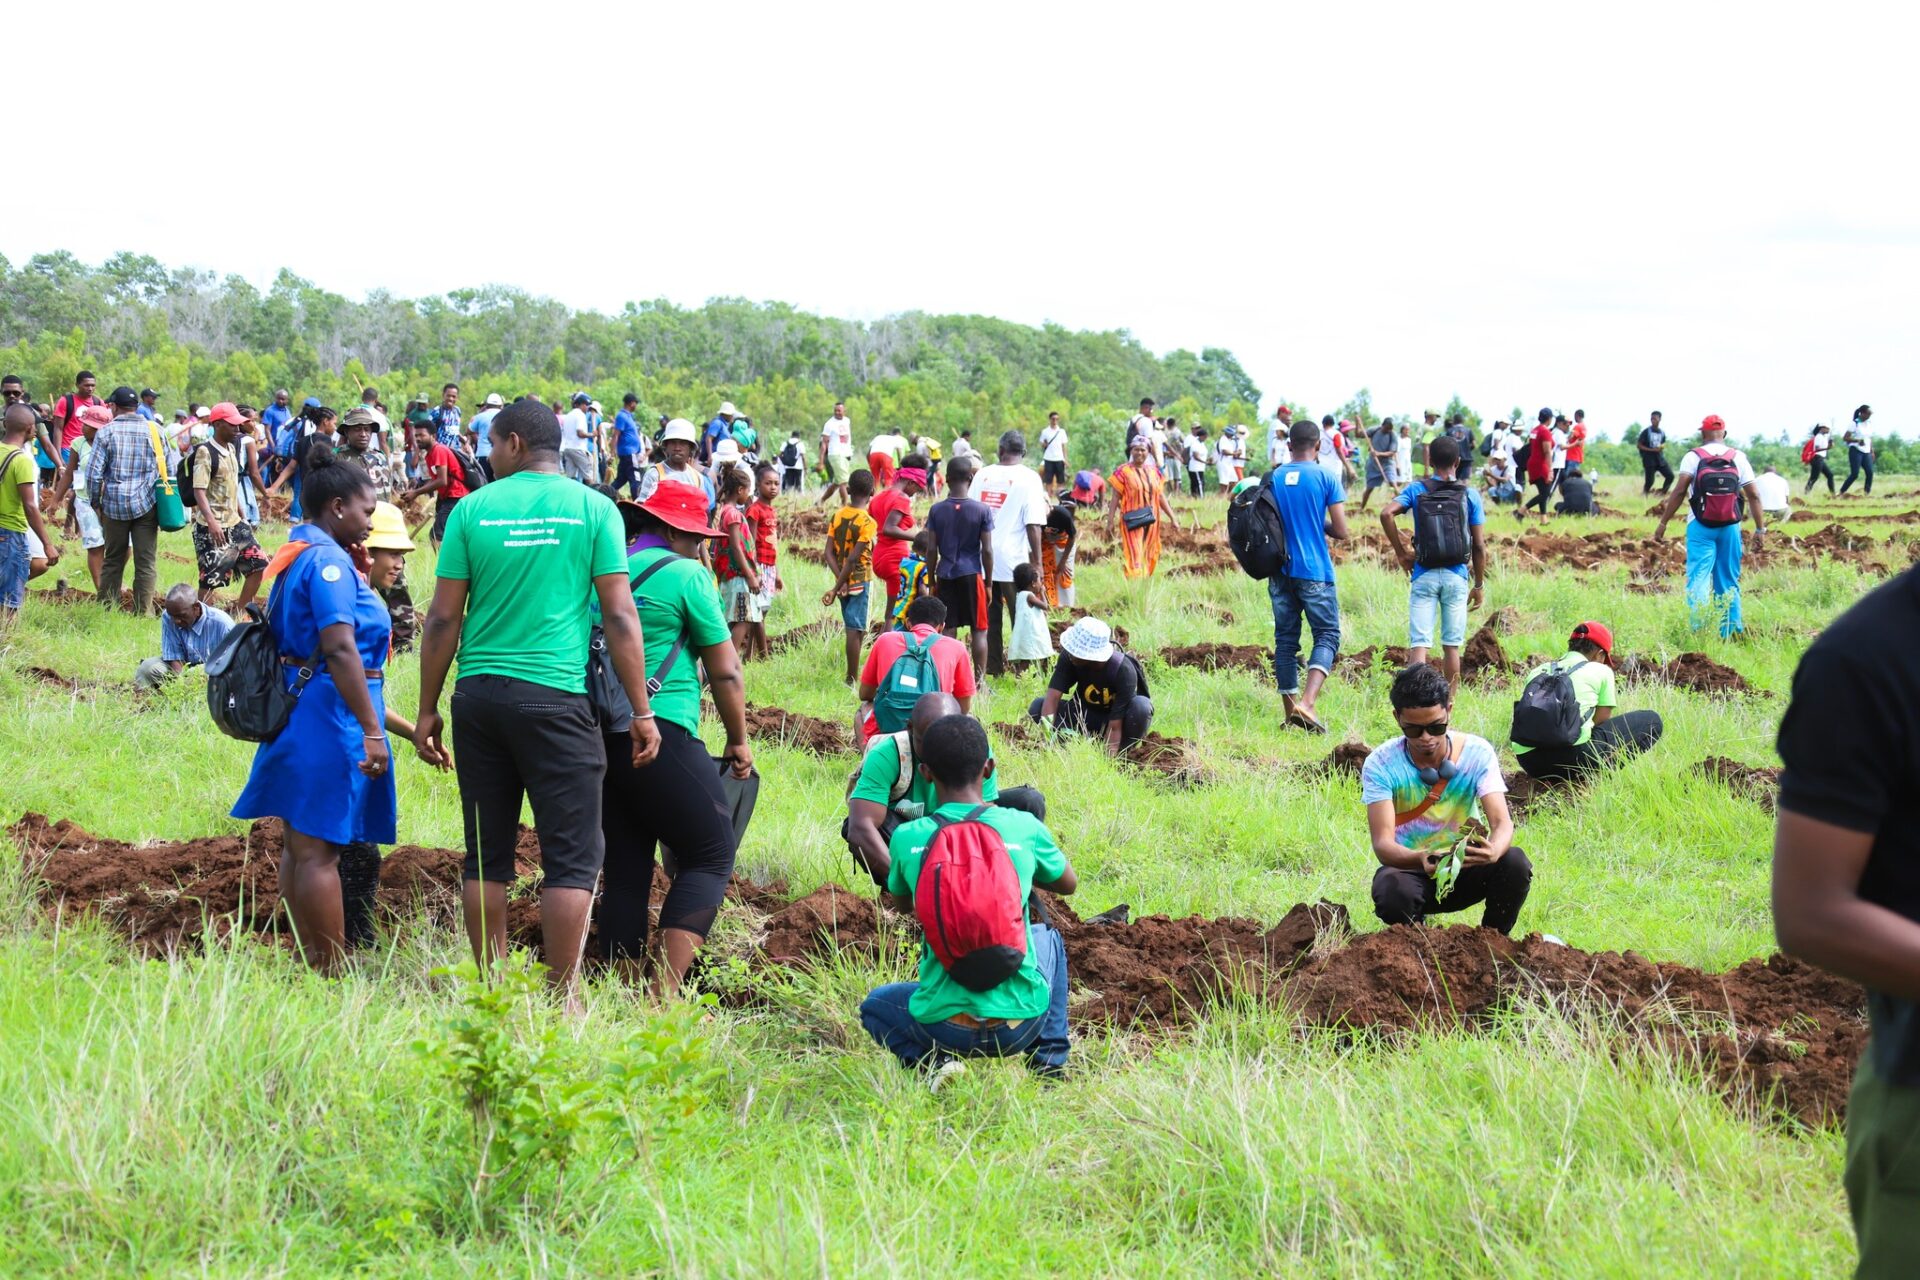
889	790
19	509
937	1020
521	559
1604	736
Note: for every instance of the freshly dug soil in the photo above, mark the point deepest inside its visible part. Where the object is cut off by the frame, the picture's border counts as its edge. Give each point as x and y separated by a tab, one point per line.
1695	671
1483	656
1757	783
1220	657
809	733
1174	759
1024	732
1362	661
1346	758
807	551
1525	791
1771	1030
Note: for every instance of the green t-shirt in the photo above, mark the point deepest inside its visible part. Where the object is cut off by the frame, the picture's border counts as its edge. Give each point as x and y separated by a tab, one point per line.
528	547
679	598
21	470
880	769
1592	686
1031	846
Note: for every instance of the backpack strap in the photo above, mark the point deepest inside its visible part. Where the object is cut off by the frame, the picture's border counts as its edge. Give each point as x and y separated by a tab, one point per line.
661	672
311	666
972	815
1438	789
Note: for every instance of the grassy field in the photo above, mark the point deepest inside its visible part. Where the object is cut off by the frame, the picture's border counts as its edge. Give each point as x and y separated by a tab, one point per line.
228	1114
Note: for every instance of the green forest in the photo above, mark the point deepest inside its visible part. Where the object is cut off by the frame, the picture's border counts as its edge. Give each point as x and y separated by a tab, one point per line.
196	336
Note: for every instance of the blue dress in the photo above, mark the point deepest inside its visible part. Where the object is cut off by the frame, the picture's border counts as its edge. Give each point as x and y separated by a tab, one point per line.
309	776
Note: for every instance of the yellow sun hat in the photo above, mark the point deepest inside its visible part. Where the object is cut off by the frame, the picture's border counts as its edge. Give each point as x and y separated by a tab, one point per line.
389	529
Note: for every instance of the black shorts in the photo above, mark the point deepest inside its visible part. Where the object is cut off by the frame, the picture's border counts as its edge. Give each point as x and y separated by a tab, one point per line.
513	738
966	601
678	801
442	508
1053	472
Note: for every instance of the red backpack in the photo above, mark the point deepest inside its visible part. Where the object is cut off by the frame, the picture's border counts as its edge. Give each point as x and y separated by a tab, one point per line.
968	903
1716	496
1806	450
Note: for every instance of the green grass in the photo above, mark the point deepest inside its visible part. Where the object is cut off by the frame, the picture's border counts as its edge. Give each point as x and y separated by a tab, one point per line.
228	1114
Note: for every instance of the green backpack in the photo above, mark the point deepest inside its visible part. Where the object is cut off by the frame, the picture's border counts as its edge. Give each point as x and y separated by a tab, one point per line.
911	675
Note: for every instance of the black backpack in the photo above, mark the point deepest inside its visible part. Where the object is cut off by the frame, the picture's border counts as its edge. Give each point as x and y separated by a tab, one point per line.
183	473
1256	531
790	456
1440	538
244	692
1548	713
470	473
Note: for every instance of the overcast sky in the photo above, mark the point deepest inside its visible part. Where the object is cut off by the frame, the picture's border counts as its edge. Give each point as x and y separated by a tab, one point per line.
1694	208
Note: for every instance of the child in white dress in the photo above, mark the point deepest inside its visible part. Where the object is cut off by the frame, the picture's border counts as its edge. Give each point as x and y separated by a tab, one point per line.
1030	642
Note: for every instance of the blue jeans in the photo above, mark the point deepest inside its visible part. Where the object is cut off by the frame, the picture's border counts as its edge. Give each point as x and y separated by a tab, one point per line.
14	563
1439	591
1319	602
1713	570
1043	1040
293	511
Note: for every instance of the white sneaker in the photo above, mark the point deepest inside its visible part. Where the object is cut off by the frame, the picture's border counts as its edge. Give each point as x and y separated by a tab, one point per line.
944	1072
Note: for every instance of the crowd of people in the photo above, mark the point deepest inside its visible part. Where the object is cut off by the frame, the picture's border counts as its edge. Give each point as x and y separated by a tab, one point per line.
593	578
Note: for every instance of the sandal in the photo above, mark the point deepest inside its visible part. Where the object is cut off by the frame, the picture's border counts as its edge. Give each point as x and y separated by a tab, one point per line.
1301	720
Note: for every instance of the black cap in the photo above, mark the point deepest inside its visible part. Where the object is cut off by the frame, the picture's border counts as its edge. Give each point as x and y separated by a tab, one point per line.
149	392
124	397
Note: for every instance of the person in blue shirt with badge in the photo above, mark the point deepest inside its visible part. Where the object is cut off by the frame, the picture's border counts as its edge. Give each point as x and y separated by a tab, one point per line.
328	776
1313	505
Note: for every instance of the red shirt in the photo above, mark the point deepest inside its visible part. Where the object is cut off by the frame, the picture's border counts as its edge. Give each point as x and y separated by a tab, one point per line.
1577	443
766	525
456	486
1540	457
731	517
889	552
68	407
952	661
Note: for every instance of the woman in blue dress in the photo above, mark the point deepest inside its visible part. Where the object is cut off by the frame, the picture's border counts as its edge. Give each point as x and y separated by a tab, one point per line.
328	776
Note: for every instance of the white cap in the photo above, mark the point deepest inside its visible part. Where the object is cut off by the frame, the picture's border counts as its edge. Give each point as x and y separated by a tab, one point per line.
680	429
1089	640
727	410
727	451
495	402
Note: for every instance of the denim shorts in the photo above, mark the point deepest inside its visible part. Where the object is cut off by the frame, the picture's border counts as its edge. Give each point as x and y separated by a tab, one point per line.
853	610
14	563
1442	590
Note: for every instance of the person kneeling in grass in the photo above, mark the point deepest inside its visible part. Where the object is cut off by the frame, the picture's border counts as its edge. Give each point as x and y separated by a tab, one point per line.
995	990
1427	791
1603	736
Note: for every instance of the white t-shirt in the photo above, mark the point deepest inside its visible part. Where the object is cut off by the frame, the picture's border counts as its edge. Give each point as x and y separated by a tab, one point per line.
838	433
1330	448
1773	490
963	448
1017	499
1502	446
1690	462
1559	458
1157	439
576	433
1196	455
1861	440
1230	454
1277	443
1053	444
890	443
1822	441
1403	458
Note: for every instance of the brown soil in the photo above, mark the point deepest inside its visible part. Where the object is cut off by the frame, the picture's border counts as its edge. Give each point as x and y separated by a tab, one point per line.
808	523
1695	671
1757	783
807	551
1201	568
1024	732
1219	657
1174	759
1524	792
809	733
1482	655
811	633
1090	553
1502	620
1346	758
1361	661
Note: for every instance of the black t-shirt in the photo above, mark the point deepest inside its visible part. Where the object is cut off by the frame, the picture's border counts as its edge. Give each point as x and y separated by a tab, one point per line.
1061	520
1851	743
1103	686
1653	438
1576	495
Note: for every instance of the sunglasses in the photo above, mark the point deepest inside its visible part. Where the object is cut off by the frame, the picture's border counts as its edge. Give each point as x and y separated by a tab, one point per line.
1438	729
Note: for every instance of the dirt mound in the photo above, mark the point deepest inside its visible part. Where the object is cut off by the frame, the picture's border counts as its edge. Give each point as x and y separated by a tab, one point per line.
1174	759
1024	732
806	523
1775	1028
1525	791
1695	671
807	551
1757	783
1219	657
809	733
829	917
1346	758
1482	655
1362	661
1502	620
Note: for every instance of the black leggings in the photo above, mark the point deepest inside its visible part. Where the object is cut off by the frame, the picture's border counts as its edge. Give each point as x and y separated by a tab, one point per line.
1194	479
1626	734
1542	490
1858	462
1816	468
359	890
1408	897
677	800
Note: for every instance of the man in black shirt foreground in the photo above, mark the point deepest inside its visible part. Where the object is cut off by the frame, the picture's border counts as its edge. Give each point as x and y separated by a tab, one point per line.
1107	687
1846	888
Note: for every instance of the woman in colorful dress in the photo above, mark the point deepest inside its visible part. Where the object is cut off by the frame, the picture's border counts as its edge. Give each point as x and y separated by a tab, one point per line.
1139	504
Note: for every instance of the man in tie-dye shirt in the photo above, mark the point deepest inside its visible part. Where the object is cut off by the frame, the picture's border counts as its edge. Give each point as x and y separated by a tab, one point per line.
1416	819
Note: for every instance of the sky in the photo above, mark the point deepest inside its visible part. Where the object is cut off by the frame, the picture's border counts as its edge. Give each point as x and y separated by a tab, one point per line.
1696	208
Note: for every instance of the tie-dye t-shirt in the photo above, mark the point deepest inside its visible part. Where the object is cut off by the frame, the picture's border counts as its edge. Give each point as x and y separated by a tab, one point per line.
1390	774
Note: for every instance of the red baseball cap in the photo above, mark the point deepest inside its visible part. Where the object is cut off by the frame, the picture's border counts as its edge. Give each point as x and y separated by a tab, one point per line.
1713	422
1595	632
681	506
225	412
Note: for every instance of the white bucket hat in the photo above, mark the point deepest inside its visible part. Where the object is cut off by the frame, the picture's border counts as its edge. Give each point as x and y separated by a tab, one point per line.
680	429
726	451
495	402
727	410
1089	639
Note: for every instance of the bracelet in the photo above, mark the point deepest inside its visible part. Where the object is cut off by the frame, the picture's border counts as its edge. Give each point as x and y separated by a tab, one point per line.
639	716
373	737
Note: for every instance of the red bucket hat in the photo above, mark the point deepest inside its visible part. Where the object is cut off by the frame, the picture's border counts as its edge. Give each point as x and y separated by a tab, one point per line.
680	506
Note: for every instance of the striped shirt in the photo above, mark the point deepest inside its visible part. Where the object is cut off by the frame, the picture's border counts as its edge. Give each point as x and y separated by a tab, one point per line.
122	470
